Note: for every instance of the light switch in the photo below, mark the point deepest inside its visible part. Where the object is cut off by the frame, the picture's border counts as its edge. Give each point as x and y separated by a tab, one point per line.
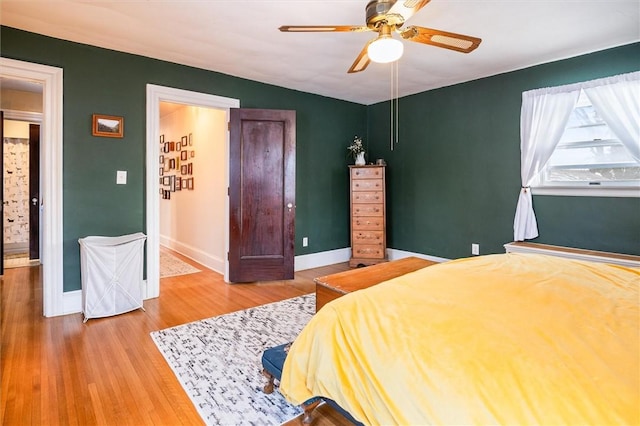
121	177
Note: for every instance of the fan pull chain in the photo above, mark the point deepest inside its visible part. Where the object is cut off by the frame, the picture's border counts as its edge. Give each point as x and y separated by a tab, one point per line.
397	100
395	104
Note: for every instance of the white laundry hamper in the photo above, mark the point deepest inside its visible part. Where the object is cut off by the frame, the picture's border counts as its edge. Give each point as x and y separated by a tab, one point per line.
111	269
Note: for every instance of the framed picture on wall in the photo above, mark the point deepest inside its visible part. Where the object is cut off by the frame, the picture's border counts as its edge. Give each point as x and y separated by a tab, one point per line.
184	155
184	141
178	183
166	181
166	147
190	169
161	171
108	126
190	184
190	140
161	139
162	159
192	154
184	169
178	146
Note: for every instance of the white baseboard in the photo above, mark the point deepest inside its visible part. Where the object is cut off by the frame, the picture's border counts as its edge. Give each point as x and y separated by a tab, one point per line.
71	302
324	258
205	259
73	299
395	254
331	257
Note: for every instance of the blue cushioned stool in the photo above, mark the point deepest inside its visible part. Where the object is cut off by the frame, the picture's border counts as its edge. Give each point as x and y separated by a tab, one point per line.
272	363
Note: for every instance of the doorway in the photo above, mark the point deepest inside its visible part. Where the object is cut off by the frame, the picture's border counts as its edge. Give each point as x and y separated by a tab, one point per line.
193	184
21	175
156	95
55	301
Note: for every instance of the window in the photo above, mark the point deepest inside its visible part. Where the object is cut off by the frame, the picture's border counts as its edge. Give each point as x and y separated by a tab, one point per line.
589	154
578	139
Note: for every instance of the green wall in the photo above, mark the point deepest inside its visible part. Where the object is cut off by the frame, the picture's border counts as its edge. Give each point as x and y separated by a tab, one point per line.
454	176
108	82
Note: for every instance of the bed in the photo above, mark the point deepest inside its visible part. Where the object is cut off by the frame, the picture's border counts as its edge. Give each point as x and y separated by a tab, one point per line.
498	339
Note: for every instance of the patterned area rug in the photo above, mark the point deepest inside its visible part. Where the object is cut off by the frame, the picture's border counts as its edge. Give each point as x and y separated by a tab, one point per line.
171	266
218	361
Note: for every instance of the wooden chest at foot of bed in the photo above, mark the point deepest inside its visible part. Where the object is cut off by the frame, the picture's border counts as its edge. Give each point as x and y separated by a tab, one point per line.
332	286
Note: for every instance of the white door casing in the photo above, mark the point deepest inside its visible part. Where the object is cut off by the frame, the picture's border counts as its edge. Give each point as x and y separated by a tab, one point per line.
55	301
155	95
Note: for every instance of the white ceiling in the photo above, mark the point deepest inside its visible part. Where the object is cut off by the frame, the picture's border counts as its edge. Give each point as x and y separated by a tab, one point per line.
241	38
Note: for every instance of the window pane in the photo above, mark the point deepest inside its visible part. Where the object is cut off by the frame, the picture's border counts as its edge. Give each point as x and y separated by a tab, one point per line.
587	133
590	153
580	155
610	174
584	116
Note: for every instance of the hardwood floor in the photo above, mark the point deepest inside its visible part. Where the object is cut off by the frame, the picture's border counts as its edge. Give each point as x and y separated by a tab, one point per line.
108	371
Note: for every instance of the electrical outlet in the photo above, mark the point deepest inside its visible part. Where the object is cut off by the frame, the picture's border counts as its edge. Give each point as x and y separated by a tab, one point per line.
475	249
121	177
305	241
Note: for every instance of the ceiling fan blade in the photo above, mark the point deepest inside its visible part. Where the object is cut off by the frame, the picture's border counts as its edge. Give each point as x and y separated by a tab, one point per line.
322	28
361	62
458	42
407	8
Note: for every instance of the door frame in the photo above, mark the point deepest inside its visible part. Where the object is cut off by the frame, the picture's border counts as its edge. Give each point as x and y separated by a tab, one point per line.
53	297
155	95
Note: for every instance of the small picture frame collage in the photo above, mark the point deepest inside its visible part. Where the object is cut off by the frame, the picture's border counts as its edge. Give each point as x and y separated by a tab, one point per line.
176	166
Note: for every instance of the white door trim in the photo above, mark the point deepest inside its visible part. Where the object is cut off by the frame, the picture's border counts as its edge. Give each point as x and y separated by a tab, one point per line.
53	299
155	95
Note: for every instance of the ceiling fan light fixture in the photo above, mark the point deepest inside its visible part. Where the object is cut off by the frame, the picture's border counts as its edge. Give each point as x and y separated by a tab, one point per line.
385	49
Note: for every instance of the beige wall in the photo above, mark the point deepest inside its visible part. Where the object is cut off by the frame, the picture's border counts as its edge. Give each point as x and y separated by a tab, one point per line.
193	222
19	100
16	129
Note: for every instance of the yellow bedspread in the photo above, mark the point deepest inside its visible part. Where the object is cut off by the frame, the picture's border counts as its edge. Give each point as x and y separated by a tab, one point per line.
513	339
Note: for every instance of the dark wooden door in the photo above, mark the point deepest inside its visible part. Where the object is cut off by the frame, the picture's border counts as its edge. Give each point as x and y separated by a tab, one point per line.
34	191
261	194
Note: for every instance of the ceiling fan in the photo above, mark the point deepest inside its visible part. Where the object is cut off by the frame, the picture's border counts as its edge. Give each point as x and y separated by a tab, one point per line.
386	17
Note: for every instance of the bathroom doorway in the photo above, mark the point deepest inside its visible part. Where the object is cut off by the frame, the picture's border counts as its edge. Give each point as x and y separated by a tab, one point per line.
22	117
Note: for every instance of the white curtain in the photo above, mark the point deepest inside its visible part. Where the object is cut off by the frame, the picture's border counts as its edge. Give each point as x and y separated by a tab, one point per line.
617	101
543	117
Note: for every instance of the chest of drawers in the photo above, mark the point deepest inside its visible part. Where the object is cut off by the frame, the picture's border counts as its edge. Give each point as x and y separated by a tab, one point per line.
368	215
